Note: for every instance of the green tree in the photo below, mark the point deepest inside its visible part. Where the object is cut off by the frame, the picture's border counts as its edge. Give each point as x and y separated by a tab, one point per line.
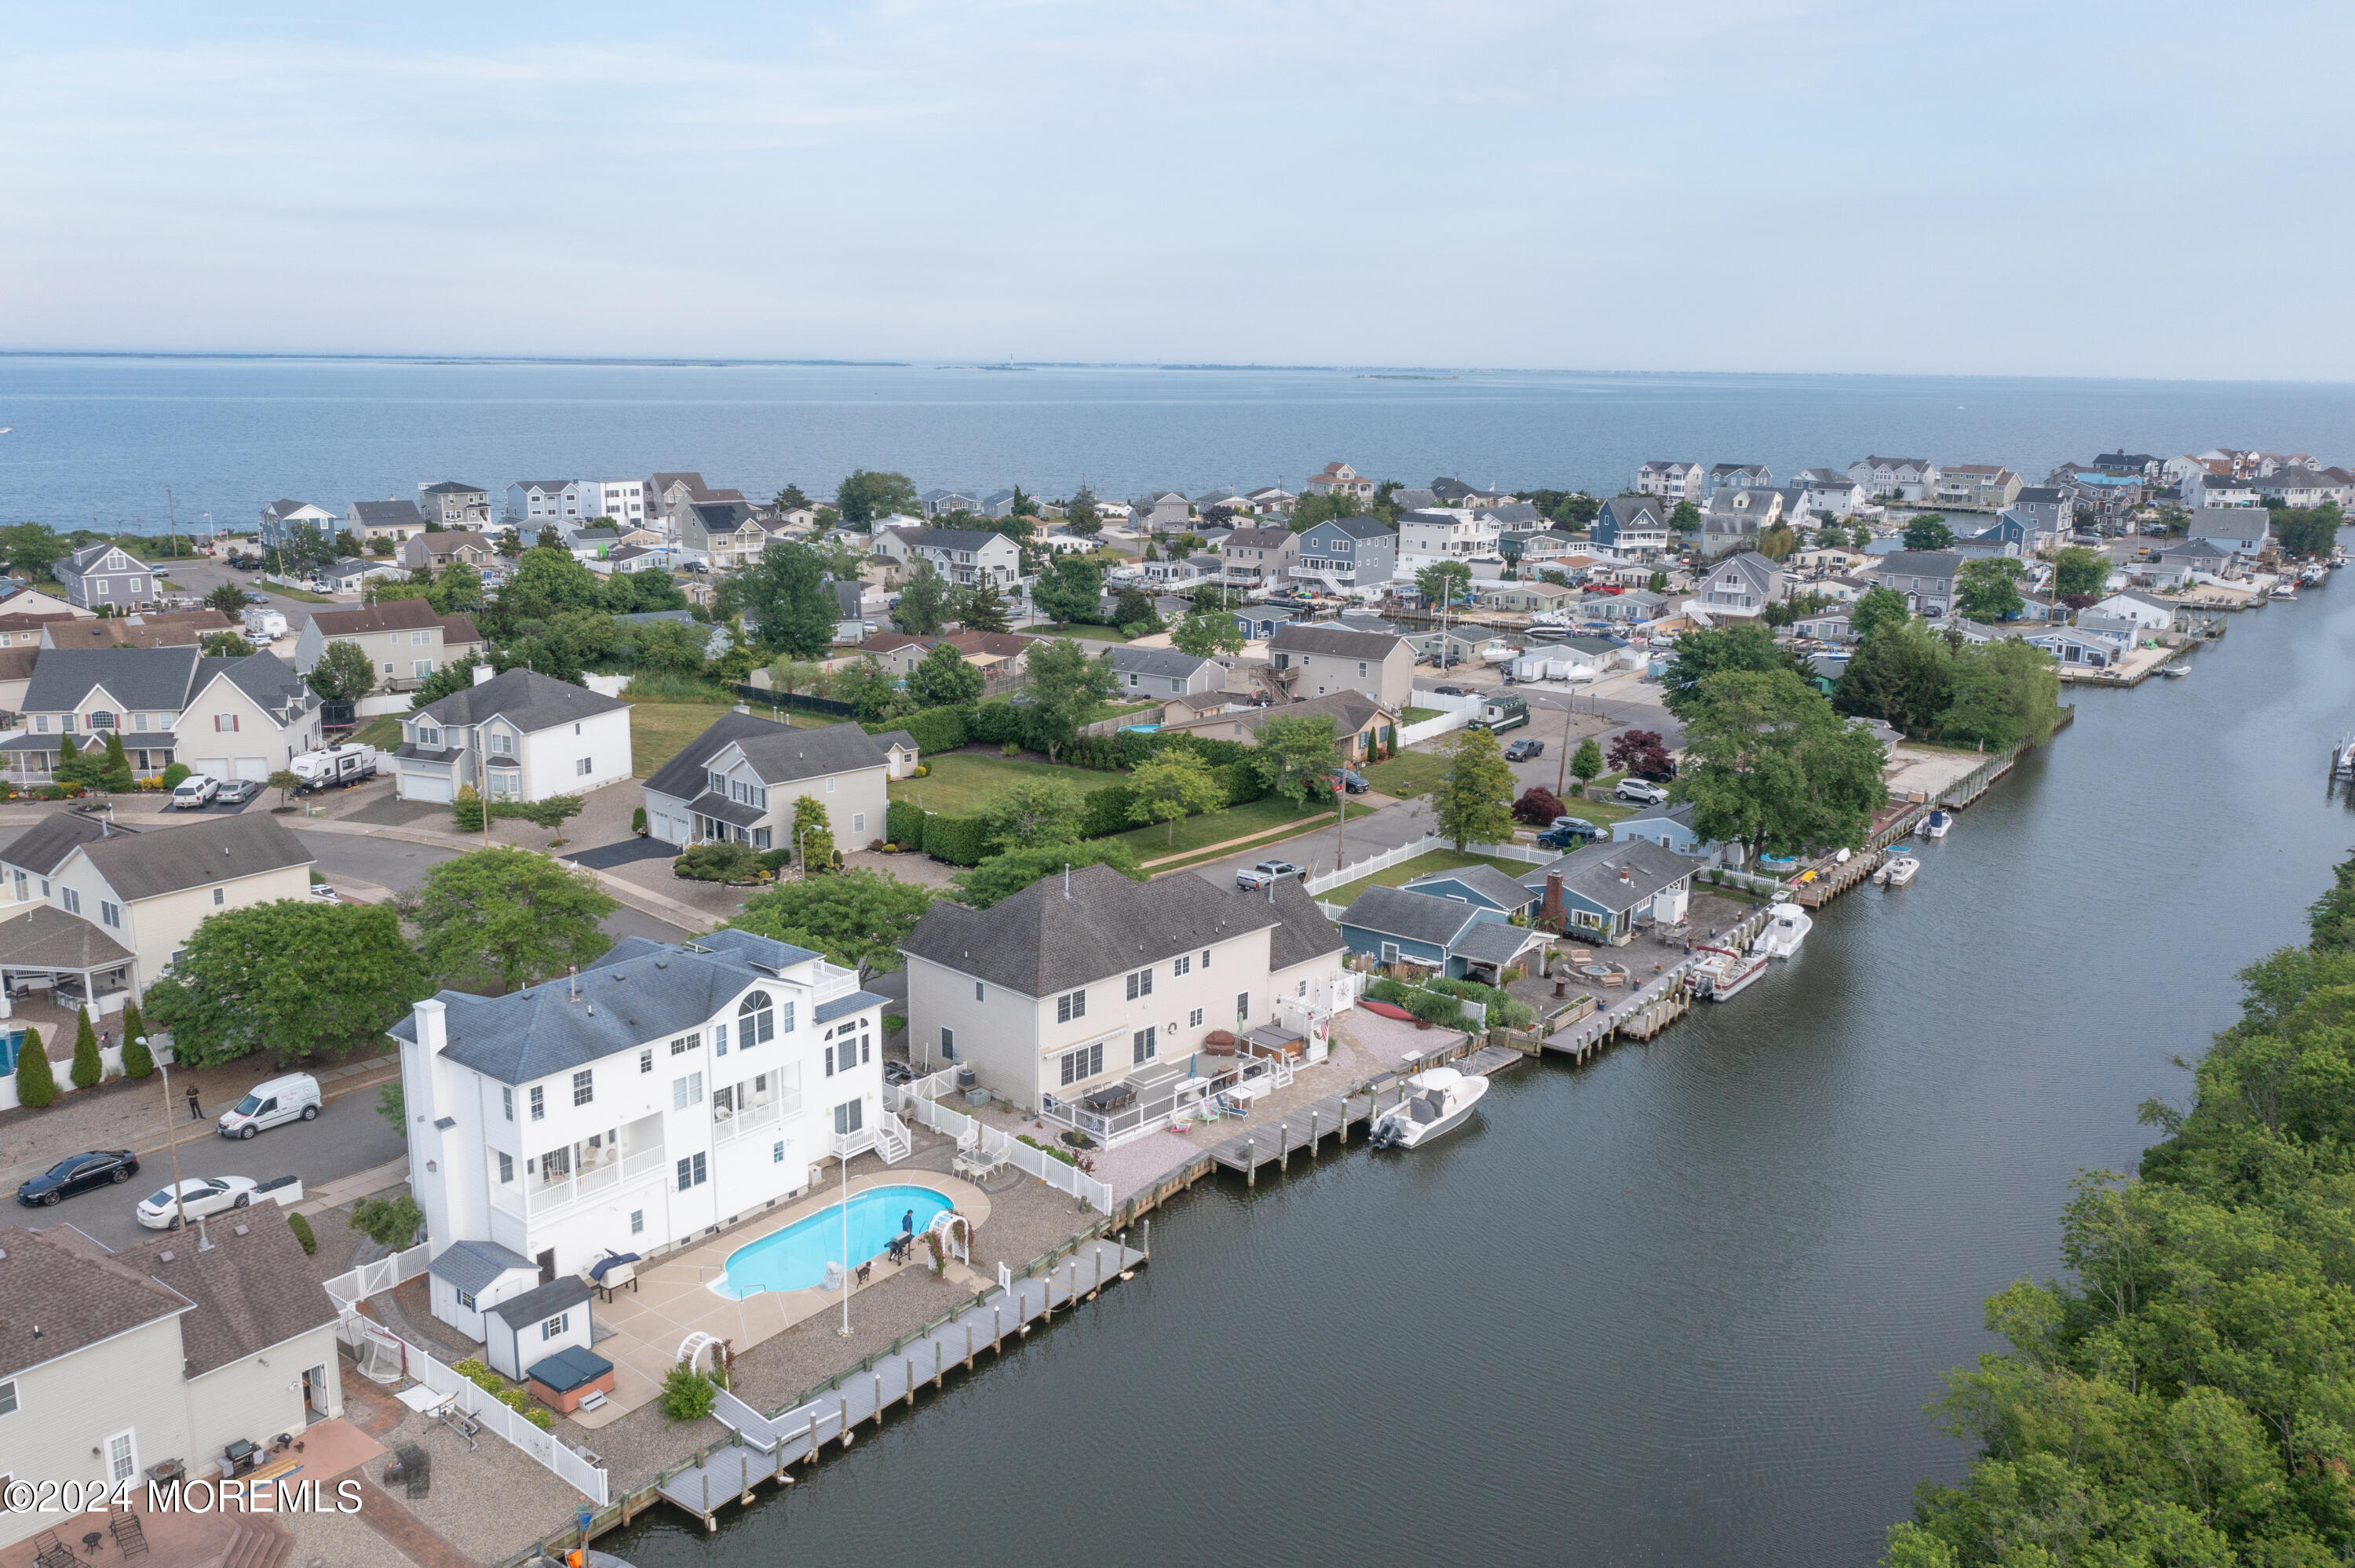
664	647
687	1394
1034	812
2080	572
2307	530
1831	537
1071	589
296	976
1685	518
1877	607
790	499
225	645
787	593
858	919
1173	784
1700	654
229	599
1079	514
1133	607
388	1221
77	766
863	497
1444	583
867	687
1769	765
546	582
1475	798
138	1061
979	607
88	1066
1586	763
500	918
813	842
343	674
1988	589
392	1104
1001	876
1206	632
945	678
115	775
1928	532
2004	692
444	681
922	608
37	1082
1296	755
1068	685
1310	510
32	548
458	589
1901	673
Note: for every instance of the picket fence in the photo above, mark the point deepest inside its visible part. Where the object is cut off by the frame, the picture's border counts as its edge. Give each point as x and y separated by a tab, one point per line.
1372	863
1429	729
989	1141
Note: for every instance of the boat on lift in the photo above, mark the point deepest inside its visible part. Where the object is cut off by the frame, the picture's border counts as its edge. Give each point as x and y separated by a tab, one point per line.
1438	1100
1938	823
1788	925
1722	973
1897	870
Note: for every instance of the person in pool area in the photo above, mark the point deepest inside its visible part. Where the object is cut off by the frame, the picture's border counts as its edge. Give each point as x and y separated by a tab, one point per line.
908	1223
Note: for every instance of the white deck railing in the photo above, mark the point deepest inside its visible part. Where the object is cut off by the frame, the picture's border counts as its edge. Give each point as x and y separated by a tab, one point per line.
973	1133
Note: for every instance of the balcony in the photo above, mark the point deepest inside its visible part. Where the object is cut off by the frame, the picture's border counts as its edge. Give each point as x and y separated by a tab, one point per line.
728	1126
545	1193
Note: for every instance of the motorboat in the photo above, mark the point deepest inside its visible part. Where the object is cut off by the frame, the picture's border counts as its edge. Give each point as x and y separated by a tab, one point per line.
1548	631
1438	1100
2342	758
1897	870
1938	824
1723	972
2175	671
1499	652
2285	591
1788	925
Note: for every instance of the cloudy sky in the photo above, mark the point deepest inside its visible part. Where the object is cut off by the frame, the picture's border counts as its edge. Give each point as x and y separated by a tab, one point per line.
2034	187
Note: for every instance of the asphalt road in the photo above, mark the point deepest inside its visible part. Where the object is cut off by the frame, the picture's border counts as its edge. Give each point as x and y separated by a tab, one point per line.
200	575
401	867
347	1136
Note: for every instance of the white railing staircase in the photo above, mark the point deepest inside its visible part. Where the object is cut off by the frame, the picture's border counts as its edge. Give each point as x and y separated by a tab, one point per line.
891	1140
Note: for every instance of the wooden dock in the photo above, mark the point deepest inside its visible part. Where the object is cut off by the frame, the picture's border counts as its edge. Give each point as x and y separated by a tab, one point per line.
1834	877
767	1446
1303	1128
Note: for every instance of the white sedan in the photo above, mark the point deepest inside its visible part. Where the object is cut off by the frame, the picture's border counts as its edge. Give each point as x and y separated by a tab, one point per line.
197	1196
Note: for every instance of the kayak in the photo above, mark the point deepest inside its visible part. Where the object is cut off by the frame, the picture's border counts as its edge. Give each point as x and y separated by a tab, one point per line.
1388	1009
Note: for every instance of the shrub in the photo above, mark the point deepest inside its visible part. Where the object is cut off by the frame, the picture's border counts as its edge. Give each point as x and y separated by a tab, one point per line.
719	863
1108	809
1046	1149
959	841
904	822
638	820
175	775
36	1086
88	1066
1538	806
1435	1007
1243	783
687	1394
932	729
388	1221
1012	748
996	721
304	1234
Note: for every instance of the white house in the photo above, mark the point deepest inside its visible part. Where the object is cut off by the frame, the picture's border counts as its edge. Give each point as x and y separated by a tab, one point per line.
1672	482
1830	493
1741	586
517	736
234	718
2151	614
665	1091
533	501
1902	479
738	779
1443	533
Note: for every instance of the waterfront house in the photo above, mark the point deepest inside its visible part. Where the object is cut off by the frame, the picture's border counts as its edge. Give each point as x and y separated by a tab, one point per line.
1671	828
285	521
532	501
1313	658
2200	489
1629	607
1340	479
1631	525
1977	487
665	1091
1442	534
2048	511
1895	478
2241	530
1927	578
939	502
2091	648
1260	557
1527	598
448	548
1741	586
1672	482
1831	492
1603	890
1085	979
1481	885
520	735
405	639
738	780
2293	486
1545	547
368	521
2139	608
169	1349
453	503
1258	623
1739	476
108	575
1346	555
1158	671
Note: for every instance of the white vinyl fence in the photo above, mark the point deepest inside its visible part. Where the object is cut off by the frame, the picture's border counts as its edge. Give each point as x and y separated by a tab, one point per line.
1372	863
1528	854
348	1289
978	1134
1430	729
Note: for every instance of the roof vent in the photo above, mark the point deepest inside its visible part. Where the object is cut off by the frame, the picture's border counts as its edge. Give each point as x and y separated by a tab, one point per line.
164	1256
240	1230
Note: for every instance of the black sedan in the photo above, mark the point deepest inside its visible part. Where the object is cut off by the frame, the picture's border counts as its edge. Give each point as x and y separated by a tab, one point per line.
79	1173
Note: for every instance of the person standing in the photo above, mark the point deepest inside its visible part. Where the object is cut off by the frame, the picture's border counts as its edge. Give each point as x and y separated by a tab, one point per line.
196	1112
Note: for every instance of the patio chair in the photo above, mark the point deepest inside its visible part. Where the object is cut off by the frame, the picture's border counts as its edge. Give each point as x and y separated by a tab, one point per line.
51	1553
129	1536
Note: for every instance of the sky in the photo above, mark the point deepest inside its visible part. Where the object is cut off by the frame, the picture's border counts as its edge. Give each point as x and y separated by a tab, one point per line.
1983	186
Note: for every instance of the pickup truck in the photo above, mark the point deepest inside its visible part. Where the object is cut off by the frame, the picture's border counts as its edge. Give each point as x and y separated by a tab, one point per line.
1267	873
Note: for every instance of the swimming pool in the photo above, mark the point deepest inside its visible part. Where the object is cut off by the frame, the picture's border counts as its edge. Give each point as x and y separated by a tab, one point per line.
794	1259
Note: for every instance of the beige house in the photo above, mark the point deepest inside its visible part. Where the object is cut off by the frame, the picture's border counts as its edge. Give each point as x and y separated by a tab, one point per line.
167	1349
451	546
1362	726
235	718
1529	597
403	638
108	909
1259	557
1312	659
1079	982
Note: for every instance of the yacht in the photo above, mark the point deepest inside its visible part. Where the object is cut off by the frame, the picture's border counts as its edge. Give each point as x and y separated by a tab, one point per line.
1723	972
1788	925
1439	1100
1898	871
1938	824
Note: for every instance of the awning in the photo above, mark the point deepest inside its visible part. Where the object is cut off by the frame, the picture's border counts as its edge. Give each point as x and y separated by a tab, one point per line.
49	938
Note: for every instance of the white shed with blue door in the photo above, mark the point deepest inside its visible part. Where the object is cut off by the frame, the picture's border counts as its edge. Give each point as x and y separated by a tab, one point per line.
527	1330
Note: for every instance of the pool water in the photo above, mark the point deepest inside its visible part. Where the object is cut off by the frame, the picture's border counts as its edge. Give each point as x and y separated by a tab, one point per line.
794	1259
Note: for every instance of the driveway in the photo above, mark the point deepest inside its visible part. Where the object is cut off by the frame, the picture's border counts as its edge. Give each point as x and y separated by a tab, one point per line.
399	867
1400	822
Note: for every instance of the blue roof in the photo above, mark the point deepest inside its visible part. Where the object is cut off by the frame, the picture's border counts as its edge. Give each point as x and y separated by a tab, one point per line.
472	1265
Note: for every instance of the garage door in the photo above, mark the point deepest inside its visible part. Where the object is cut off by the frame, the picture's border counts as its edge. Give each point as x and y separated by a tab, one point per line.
418	785
211	767
254	767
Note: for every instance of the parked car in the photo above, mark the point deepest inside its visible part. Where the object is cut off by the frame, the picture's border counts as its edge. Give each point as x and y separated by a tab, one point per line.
1354	782
1522	750
1448	691
1569	834
78	1173
195	793
1267	872
325	893
257	598
197	1196
1640	791
237	793
267	1105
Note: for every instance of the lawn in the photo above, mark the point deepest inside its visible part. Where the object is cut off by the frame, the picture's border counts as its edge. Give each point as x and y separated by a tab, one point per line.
383	732
1406	871
1419	715
304	595
1152	842
1407	774
959	781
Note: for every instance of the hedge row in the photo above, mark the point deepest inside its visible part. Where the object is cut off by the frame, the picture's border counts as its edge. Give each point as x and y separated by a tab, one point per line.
904	822
960	841
934	730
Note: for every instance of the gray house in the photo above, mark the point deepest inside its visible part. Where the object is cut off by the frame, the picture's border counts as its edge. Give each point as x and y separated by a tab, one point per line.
738	779
454	503
1927	578
393	520
1164	672
105	575
1346	554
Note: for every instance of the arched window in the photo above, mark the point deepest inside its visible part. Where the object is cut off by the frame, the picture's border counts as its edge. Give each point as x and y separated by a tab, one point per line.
756	1021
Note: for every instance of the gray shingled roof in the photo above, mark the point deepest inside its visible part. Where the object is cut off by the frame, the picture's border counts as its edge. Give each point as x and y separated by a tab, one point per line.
46	938
77	1294
253	1288
844	1006
472	1265
1411	917
1485	880
1040	941
210	850
1920	564
1592	872
390	615
529	700
1324	637
956	538
456	487
388	514
1167	661
779	753
541	1302
1302	932
140	679
1493	942
43	847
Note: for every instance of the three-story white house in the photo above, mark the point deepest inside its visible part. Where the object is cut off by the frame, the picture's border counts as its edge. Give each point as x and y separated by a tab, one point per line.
666	1092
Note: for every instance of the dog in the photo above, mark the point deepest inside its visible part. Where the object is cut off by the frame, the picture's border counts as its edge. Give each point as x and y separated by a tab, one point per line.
863	1270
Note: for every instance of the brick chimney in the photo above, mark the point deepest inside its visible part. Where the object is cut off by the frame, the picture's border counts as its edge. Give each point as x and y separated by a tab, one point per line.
1550	914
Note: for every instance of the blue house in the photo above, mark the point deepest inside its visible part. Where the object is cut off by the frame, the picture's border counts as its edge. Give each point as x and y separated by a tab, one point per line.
1482	886
1671	828
1258	621
1458	939
2010	528
1631	522
1610	885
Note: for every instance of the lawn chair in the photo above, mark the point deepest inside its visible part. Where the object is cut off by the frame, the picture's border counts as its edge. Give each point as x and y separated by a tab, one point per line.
51	1553
129	1535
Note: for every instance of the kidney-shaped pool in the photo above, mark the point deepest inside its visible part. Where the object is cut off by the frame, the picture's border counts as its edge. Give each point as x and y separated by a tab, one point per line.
794	1259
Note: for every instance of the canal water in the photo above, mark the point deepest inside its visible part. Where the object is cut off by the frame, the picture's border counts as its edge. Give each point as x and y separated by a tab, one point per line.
1683	1305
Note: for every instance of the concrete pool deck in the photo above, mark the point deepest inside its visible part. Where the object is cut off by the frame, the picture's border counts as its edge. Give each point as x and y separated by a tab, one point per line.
641	1331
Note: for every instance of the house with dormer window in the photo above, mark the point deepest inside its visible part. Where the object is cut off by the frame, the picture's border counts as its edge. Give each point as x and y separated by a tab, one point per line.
665	1091
738	781
233	718
106	575
520	736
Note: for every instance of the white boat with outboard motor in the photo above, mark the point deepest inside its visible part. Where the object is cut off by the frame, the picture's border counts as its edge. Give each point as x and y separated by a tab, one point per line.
1938	823
1897	870
1439	1100
1786	926
1722	973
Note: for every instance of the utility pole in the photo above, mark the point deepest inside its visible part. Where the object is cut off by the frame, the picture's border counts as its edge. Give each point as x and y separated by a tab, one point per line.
1562	769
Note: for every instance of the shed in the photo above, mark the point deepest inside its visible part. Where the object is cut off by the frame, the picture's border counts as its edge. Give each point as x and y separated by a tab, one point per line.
468	1276
527	1330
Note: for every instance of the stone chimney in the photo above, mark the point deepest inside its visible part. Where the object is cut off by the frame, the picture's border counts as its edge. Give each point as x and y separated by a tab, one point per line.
1550	914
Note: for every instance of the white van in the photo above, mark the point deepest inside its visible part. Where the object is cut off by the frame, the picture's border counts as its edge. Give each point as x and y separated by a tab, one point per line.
266	1104
195	793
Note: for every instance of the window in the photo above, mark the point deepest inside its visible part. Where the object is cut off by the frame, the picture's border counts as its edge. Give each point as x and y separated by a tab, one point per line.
122	1457
581	767
948	1044
556	1325
584	1087
684	1043
690	1172
73	901
777	1153
1182	965
1142	1044
977	985
1070	1005
506	1102
40	723
225	723
139	722
101	720
829	1061
539	1103
466	1299
424	668
417	639
1206	958
646	1060
637	1221
428	736
24	888
1194	1019
220	896
756	1020
506	1168
1140	984
858	823
8	1397
502	744
849	1117
830	786
762	839
720	1038
687	1091
1085	1063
